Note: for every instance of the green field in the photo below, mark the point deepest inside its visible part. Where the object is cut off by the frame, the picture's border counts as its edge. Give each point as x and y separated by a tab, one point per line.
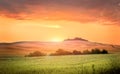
71	64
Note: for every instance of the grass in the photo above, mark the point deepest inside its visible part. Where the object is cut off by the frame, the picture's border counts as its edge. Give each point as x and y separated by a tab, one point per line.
72	64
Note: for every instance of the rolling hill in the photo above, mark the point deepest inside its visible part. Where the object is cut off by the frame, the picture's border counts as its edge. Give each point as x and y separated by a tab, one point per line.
25	47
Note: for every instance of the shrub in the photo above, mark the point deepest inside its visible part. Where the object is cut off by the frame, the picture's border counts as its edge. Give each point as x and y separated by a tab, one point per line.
75	52
86	52
104	51
61	52
95	51
35	54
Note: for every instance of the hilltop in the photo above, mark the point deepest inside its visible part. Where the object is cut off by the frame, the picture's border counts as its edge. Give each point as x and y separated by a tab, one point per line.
25	47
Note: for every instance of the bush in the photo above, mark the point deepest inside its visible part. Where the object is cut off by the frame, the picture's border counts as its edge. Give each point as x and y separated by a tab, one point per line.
104	51
86	52
75	52
35	54
61	52
96	51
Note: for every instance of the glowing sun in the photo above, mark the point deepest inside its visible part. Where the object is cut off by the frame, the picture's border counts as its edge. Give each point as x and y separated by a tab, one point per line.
56	40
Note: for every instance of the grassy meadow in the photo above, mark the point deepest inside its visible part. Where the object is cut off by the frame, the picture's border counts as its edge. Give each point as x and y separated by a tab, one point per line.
69	64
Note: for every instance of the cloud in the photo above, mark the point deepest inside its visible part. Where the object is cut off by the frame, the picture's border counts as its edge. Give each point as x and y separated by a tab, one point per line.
73	10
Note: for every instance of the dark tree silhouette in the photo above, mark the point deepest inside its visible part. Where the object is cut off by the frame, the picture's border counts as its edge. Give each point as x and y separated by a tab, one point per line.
61	52
75	52
35	54
86	52
96	51
104	51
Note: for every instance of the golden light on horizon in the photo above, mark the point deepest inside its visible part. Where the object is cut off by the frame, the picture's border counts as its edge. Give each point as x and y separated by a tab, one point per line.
56	40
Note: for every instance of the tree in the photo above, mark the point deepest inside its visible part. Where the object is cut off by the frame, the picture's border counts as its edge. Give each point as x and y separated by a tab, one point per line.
86	52
104	51
75	52
95	51
61	52
35	54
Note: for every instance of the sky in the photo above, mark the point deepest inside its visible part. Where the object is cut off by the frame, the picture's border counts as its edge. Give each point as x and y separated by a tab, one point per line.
56	20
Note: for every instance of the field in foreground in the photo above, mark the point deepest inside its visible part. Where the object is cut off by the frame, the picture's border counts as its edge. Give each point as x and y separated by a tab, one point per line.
79	64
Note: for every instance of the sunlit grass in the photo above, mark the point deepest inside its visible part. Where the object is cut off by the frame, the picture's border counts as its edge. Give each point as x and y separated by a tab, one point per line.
79	64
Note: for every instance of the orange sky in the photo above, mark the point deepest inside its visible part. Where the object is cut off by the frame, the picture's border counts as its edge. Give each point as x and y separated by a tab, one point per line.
45	20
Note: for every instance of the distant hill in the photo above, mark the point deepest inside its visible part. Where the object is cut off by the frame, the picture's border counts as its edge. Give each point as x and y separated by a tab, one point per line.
76	39
25	47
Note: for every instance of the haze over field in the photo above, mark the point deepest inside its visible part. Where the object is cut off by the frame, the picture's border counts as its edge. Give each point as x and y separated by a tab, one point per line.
25	47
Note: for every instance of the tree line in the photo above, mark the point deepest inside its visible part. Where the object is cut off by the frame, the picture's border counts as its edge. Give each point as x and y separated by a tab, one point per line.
64	52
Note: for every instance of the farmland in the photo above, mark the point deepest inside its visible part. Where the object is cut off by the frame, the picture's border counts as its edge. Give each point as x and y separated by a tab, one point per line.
69	64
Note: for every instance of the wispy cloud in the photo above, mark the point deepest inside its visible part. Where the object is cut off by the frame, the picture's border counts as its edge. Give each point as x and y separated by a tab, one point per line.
72	10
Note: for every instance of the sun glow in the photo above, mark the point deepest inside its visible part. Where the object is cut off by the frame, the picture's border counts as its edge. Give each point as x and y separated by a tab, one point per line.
56	40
